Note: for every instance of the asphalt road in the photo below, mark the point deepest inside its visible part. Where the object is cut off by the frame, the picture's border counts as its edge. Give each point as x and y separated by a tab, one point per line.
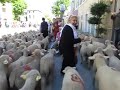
85	73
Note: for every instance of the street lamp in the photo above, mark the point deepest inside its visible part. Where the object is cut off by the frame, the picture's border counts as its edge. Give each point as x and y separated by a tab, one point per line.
62	10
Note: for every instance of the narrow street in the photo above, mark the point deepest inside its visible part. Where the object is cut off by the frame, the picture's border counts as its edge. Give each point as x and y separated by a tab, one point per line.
85	73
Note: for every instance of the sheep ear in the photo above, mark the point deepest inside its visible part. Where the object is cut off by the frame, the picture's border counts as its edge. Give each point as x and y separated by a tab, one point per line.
42	54
68	67
5	62
64	71
23	77
38	78
91	58
106	57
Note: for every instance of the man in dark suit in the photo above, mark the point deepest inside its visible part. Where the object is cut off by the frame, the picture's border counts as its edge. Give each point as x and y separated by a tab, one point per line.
44	27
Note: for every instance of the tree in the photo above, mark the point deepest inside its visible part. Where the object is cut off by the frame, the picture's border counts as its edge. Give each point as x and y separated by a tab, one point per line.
98	10
18	8
56	6
48	18
9	1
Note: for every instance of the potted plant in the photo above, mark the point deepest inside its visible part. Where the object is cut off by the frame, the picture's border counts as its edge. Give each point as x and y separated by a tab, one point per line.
98	10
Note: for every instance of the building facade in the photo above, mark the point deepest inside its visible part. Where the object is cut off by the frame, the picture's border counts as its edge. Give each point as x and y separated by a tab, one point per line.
82	9
32	17
6	16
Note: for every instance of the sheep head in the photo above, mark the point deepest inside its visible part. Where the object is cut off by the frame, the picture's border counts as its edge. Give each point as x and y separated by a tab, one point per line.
68	68
31	73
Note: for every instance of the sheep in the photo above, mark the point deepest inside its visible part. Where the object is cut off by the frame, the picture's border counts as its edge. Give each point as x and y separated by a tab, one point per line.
72	80
22	60
1	51
98	62
83	51
14	53
106	78
31	78
109	46
4	61
3	44
15	79
46	68
32	47
45	42
38	43
113	60
99	50
9	46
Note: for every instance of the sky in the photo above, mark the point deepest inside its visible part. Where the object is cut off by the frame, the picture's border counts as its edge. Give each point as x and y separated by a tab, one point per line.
43	5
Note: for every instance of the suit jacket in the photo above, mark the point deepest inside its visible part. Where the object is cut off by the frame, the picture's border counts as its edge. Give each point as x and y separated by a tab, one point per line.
44	26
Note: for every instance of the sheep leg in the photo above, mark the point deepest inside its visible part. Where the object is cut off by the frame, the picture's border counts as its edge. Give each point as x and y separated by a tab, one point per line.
43	83
96	83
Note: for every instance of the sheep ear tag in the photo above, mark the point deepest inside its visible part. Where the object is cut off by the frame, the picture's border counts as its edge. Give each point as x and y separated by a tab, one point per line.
38	78
6	61
23	76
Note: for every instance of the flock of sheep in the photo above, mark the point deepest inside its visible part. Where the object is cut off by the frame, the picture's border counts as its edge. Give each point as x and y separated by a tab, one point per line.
26	63
106	63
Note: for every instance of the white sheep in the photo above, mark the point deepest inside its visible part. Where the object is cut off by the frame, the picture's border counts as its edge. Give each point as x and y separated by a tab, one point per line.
109	46
32	47
15	79
99	50
4	61
107	78
113	60
98	62
21	61
83	52
72	80
46	68
31	78
45	42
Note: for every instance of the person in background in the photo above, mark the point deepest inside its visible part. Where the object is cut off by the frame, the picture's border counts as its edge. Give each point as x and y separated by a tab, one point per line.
68	41
55	28
44	27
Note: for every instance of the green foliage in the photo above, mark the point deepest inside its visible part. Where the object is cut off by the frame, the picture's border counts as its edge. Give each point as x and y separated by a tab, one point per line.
4	1
94	20
56	6
9	1
48	18
18	8
98	10
101	30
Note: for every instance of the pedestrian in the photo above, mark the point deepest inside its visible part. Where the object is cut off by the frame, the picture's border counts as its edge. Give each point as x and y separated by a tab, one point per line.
44	27
69	39
55	28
